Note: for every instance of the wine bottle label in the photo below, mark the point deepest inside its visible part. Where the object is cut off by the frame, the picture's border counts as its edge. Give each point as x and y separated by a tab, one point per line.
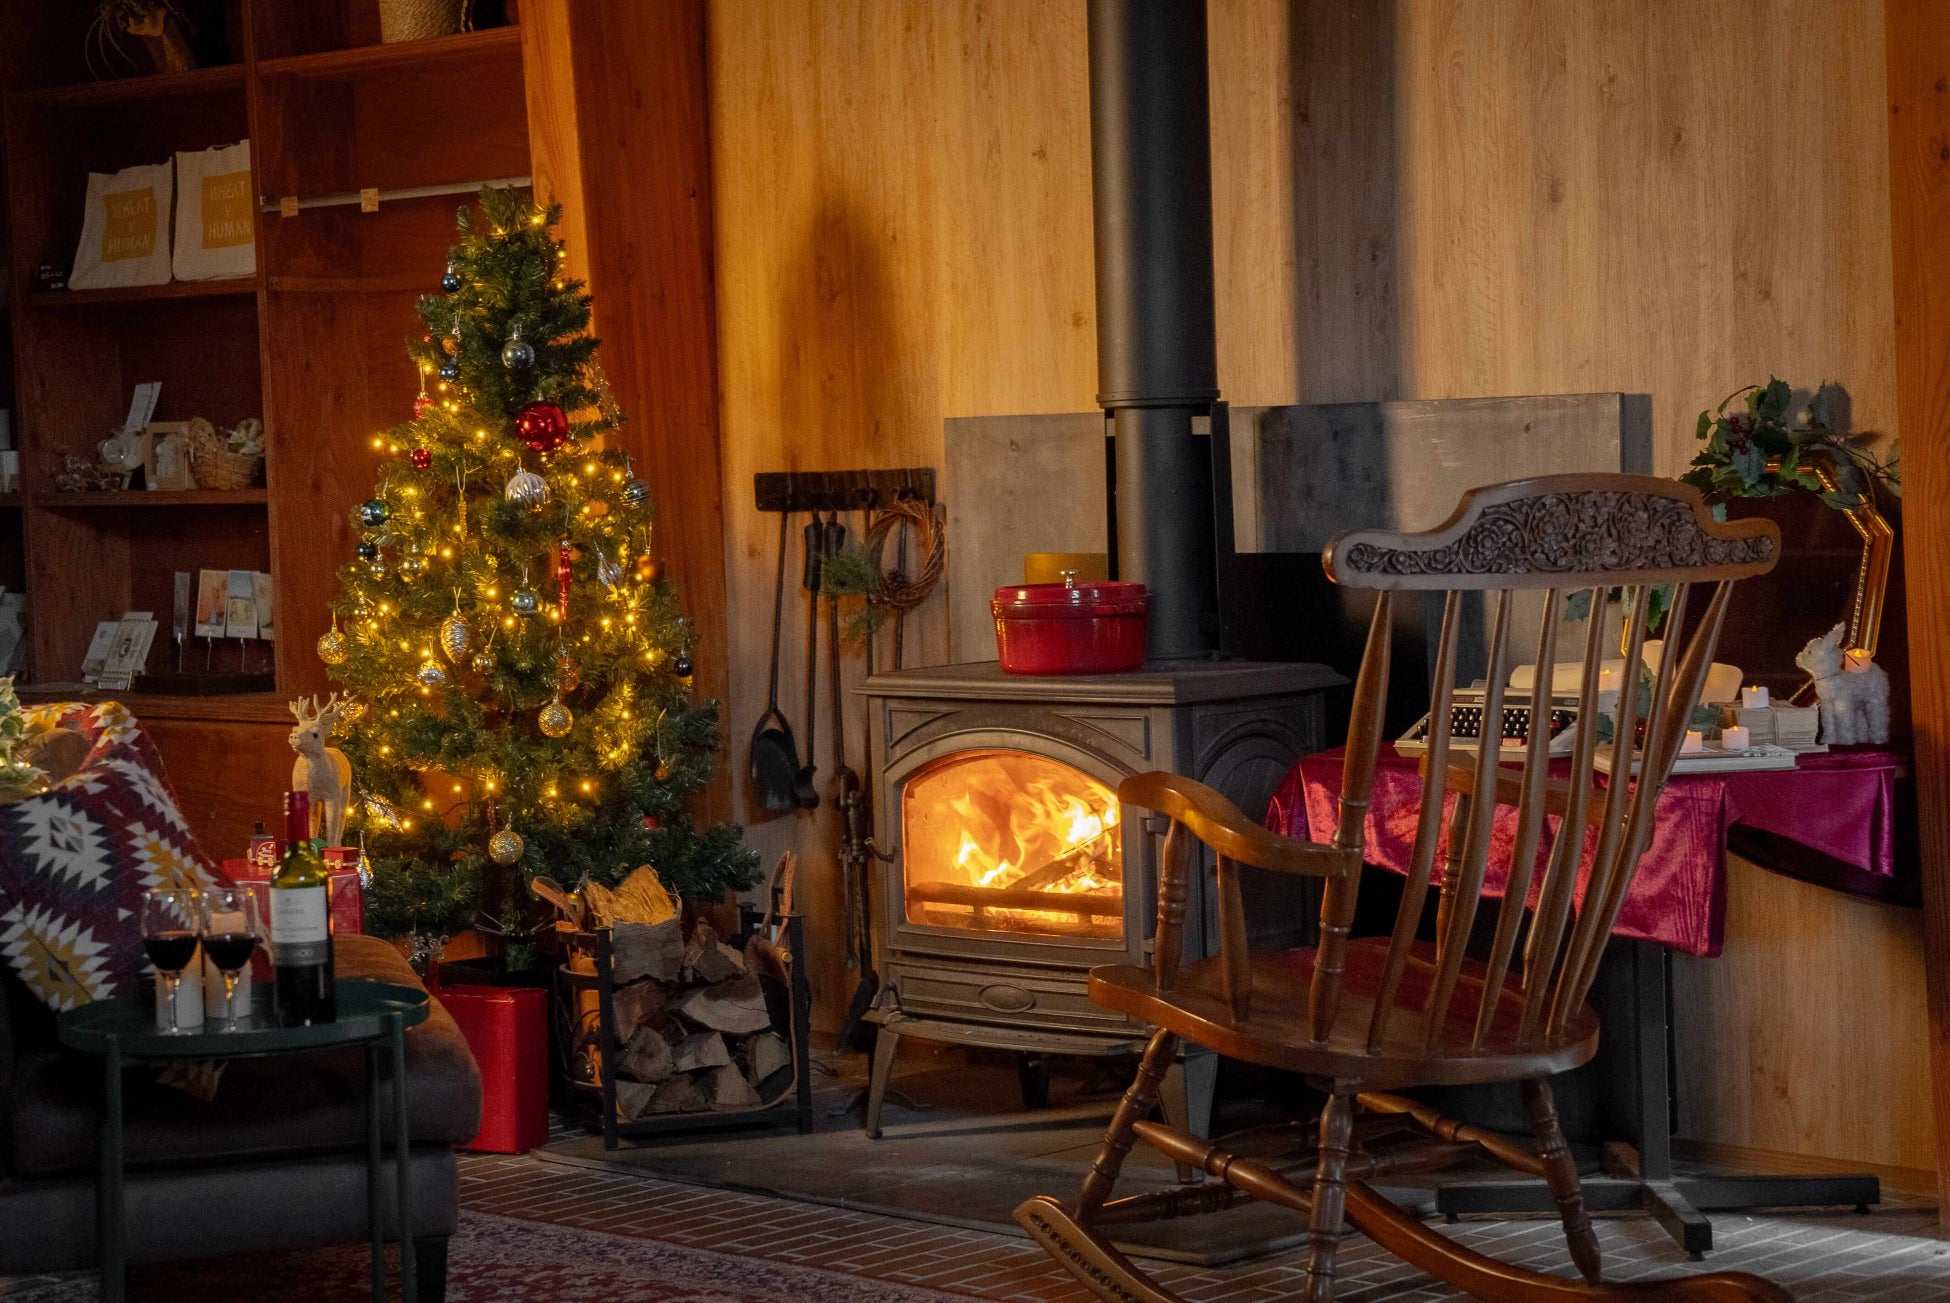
301	926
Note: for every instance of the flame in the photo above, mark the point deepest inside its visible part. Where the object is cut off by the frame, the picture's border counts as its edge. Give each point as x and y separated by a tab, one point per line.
1003	820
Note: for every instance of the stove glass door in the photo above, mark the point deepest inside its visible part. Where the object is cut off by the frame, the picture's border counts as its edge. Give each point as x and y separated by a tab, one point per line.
1010	841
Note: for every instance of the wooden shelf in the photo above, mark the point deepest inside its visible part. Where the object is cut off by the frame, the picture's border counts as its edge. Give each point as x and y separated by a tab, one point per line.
138	89
243	707
229	287
152	498
414	284
363	61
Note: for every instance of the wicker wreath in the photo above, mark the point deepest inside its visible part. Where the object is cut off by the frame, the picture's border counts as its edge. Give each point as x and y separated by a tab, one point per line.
895	590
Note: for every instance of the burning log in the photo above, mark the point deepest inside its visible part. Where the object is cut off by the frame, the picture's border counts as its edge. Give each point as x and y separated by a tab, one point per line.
1088	904
1098	851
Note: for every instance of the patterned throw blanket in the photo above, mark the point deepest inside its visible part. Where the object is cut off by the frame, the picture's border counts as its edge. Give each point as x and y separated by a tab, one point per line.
76	859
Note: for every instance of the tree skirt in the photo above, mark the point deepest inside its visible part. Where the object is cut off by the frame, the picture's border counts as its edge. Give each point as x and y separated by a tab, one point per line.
494	1260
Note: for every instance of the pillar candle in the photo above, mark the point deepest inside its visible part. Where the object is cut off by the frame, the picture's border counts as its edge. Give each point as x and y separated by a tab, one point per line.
1754	697
1694	741
1735	738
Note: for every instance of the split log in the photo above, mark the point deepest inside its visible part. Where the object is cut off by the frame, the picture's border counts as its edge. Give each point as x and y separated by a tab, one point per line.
642	899
632	1006
632	1099
766	1054
735	1007
700	1050
648	1057
647	950
727	1089
710	959
679	1095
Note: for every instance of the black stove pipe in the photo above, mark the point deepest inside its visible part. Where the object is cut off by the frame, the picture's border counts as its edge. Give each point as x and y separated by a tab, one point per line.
1157	368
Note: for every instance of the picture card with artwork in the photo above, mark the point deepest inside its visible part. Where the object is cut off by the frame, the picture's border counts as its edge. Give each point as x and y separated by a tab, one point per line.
135	633
95	659
261	598
212	602
240	610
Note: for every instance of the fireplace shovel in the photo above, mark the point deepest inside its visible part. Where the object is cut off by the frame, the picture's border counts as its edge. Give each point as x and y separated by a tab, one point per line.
775	756
804	788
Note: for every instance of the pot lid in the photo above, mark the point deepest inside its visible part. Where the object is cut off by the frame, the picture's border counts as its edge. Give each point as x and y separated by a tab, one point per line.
1095	597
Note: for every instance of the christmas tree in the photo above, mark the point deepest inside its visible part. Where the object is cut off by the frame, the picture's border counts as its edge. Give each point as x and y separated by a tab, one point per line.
520	670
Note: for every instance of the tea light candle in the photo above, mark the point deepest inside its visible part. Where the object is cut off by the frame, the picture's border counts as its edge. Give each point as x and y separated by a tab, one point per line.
1754	697
1695	741
1857	658
1735	738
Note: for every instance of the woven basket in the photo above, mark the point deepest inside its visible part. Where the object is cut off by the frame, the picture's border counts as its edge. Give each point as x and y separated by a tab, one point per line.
410	20
215	466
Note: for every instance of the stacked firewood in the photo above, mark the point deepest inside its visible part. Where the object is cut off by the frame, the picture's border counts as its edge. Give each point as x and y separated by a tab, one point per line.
690	1030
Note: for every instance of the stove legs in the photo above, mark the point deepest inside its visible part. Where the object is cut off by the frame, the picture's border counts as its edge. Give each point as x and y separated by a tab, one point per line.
884	1046
1032	1074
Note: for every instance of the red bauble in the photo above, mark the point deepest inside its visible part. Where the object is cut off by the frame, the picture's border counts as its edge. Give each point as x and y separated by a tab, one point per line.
543	426
421	405
422	459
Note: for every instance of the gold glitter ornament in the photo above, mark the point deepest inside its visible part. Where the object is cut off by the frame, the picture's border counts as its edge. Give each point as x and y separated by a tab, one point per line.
456	636
554	719
333	648
505	846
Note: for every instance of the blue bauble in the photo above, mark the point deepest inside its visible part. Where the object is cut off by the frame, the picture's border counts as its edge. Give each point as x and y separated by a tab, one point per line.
451	281
373	512
450	370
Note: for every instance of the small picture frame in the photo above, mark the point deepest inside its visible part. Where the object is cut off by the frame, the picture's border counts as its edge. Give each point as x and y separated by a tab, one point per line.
166	459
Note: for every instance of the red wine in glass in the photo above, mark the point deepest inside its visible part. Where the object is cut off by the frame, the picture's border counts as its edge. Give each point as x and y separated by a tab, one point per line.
171	951
229	951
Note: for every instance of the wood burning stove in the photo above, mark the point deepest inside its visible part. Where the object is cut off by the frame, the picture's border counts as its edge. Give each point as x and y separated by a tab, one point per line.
1012	869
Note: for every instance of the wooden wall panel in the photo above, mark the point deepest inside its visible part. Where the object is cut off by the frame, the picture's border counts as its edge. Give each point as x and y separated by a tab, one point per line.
1919	158
1417	199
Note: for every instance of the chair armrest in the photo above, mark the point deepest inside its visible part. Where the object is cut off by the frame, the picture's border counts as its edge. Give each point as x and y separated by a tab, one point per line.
1224	827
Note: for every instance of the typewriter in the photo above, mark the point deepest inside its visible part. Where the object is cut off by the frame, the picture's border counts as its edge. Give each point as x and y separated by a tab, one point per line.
1466	725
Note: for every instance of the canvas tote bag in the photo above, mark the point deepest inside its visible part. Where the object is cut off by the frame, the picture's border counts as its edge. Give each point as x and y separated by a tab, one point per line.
215	230
125	230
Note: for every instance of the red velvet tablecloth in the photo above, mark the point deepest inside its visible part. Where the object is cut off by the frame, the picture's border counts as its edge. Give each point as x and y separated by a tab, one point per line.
1839	805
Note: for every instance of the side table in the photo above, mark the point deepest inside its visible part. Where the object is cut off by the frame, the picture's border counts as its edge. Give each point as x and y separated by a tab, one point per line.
372	1014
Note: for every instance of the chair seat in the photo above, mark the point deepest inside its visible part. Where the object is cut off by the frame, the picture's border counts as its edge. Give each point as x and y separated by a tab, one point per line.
1275	1032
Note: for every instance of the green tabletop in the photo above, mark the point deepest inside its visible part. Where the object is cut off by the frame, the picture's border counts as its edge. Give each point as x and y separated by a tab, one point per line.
130	1022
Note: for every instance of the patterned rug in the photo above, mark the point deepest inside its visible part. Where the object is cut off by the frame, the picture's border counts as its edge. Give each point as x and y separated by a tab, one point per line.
498	1260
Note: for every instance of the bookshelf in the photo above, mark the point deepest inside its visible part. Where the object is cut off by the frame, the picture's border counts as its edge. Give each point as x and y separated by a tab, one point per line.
313	343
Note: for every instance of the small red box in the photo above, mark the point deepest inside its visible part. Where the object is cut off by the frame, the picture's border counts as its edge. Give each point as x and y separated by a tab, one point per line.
348	897
507	1029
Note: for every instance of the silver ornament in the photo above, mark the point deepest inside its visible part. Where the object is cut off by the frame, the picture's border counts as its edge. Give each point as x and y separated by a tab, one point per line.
606	570
636	492
517	354
483	661
554	719
505	846
377	569
456	636
379	812
526	489
333	648
412	567
431	675
526	602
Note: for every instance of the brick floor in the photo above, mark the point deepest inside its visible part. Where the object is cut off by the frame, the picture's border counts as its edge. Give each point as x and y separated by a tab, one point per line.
1892	1256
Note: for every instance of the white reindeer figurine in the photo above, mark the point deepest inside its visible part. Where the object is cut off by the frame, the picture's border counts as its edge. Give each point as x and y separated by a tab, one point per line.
321	771
1853	689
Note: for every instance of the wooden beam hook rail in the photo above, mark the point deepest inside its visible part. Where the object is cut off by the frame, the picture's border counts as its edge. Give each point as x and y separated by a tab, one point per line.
850	490
370	199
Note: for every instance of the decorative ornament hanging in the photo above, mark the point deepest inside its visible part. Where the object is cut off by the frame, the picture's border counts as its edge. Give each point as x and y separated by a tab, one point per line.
378	812
544	427
607	571
430	675
526	489
567	676
376	568
374	512
450	279
682	665
635	491
505	847
663	771
554	718
450	370
483	662
368	551
526	602
333	648
517	354
351	711
423	401
649	569
421	458
456	634
365	864
565	557
412	567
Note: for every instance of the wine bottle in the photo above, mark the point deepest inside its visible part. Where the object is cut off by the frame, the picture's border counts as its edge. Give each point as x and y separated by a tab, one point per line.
301	924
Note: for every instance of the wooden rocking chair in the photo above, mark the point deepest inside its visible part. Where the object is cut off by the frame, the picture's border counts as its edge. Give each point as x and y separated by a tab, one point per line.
1361	1017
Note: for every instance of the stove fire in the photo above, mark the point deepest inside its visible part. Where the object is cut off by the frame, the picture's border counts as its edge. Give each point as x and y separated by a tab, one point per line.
1013	842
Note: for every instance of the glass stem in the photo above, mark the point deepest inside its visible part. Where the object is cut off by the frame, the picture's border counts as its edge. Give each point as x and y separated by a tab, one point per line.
230	996
170	983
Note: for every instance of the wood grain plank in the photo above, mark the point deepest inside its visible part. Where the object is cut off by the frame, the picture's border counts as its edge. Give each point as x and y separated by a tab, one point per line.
1919	174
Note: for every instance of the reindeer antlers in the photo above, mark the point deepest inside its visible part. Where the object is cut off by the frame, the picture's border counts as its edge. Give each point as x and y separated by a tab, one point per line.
307	711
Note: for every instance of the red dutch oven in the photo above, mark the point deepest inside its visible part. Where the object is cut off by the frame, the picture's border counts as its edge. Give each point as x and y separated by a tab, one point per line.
1087	628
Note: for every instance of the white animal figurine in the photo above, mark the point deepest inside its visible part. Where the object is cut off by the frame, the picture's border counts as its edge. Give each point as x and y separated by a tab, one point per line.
321	771
1853	689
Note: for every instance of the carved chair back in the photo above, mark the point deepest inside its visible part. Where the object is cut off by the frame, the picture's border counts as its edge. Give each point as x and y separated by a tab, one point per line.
1598	535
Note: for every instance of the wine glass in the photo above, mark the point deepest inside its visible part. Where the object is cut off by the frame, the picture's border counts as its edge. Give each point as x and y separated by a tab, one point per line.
170	925
232	925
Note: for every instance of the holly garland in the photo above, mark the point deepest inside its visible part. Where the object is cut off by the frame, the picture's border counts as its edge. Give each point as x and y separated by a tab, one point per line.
524	668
